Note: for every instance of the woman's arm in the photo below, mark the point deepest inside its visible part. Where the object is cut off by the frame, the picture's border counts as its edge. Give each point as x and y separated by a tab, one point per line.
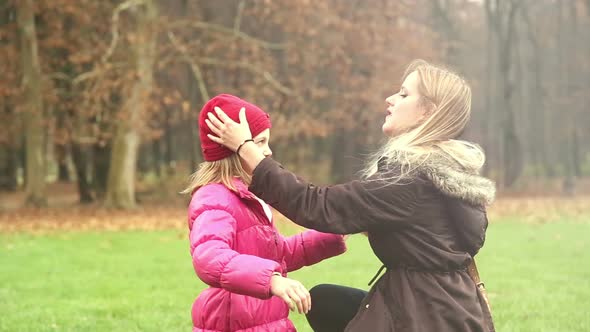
348	208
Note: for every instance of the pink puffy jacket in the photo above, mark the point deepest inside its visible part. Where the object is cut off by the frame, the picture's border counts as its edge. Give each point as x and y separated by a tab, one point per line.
235	249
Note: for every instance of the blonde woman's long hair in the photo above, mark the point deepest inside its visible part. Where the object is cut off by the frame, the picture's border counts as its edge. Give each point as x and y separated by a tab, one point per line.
447	99
222	171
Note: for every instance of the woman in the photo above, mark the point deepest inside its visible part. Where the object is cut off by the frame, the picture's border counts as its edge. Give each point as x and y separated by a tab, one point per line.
235	246
421	202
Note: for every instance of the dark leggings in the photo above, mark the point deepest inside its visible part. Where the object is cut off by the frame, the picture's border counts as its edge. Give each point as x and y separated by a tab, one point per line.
333	307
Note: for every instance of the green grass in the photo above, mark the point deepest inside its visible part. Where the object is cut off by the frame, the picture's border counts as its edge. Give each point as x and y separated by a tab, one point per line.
538	277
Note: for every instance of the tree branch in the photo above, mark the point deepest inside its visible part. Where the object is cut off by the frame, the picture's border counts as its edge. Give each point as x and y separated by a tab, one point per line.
114	40
97	71
194	67
194	63
115	26
231	32
245	65
530	29
238	20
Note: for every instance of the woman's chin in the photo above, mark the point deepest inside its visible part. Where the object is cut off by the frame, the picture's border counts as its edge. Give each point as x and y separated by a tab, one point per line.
387	130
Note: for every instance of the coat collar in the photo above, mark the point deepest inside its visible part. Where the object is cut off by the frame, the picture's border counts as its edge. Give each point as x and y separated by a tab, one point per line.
458	181
450	178
244	193
242	189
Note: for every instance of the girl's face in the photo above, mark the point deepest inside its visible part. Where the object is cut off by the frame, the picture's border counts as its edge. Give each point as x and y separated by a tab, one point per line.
404	109
262	140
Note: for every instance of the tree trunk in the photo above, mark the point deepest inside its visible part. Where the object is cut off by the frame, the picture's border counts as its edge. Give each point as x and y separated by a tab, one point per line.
121	181
101	159
444	23
157	153
8	166
63	173
10	153
33	114
194	143
80	159
513	157
85	158
574	83
539	112
576	154
12	167
144	164
169	142
502	21
489	120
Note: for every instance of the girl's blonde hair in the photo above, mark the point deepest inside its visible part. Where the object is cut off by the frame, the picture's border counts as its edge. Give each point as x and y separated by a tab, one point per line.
447	99
222	171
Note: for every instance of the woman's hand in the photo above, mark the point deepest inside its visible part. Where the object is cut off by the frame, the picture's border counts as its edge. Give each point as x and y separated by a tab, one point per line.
229	133
292	292
232	135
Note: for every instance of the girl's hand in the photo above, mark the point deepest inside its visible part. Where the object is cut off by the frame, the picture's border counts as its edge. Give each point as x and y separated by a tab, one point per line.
292	292
229	133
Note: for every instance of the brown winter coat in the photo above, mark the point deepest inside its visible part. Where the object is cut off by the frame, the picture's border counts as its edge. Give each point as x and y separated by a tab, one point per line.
424	230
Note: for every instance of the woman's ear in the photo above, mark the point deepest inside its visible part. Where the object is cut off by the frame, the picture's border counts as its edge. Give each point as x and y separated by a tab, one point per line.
427	109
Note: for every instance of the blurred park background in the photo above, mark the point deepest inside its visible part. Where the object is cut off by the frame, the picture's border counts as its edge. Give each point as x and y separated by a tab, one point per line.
99	103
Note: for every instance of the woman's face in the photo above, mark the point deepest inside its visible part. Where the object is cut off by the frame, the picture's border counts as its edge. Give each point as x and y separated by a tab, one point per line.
404	109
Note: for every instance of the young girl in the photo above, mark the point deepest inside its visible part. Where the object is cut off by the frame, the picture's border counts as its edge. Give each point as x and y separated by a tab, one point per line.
235	246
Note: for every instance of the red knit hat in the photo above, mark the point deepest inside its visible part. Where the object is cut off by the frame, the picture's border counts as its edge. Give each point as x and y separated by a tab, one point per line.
258	121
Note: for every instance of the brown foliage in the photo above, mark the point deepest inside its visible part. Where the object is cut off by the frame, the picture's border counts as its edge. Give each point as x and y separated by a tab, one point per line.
320	64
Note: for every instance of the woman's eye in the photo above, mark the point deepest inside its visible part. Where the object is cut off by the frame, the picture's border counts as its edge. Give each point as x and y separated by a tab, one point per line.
403	95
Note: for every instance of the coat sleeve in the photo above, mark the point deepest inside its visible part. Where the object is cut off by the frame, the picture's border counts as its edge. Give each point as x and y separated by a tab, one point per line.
311	247
348	208
212	238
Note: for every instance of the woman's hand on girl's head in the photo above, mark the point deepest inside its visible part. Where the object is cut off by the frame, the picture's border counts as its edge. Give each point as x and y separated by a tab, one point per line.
229	133
233	135
292	292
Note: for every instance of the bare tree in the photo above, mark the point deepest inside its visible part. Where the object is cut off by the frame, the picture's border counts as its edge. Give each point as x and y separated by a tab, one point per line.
121	182
501	15
539	144
33	106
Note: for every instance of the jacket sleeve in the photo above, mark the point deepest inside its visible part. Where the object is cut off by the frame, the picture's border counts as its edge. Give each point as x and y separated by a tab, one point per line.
212	238
311	247
348	208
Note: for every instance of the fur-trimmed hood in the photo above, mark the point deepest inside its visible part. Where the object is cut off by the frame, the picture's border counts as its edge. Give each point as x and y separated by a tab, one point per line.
452	179
456	181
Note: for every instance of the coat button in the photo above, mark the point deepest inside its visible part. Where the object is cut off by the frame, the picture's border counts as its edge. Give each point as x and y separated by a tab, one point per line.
367	306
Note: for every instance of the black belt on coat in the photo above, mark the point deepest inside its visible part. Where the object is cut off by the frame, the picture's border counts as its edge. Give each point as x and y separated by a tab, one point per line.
417	269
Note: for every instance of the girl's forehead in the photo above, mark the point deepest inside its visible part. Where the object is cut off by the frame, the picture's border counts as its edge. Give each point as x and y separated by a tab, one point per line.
264	133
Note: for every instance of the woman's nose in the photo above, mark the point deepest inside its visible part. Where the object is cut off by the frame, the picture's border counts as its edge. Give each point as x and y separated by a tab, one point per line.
390	100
